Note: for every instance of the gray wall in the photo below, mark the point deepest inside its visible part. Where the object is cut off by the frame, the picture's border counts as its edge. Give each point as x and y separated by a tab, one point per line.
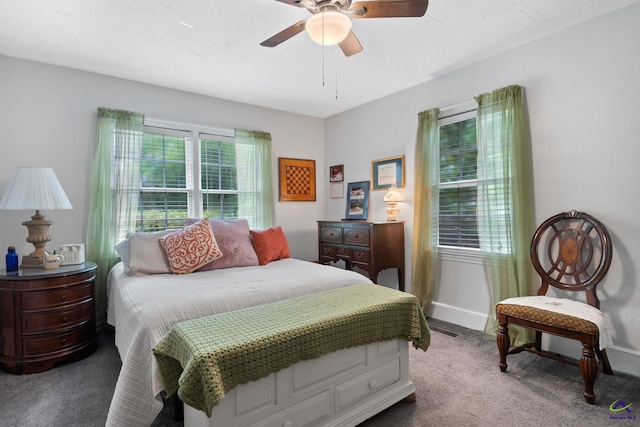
48	119
583	100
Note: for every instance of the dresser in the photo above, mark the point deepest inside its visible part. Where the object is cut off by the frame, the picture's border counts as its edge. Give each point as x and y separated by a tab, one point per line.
370	246
46	316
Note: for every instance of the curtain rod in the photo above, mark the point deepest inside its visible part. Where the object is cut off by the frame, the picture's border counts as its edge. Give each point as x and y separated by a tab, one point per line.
188	127
457	109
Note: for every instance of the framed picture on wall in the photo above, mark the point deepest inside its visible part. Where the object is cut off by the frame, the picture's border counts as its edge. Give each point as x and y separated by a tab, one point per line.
387	173
337	190
297	180
357	200
336	173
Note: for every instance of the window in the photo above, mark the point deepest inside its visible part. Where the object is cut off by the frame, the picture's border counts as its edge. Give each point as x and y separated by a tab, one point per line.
192	174
166	183
458	181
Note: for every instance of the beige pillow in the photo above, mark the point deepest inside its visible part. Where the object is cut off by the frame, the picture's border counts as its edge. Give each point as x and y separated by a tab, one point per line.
146	255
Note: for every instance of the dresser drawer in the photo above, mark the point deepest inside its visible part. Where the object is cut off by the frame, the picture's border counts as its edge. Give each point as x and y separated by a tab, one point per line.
305	413
331	234
35	345
360	256
328	251
367	384
342	252
56	320
48	299
356	236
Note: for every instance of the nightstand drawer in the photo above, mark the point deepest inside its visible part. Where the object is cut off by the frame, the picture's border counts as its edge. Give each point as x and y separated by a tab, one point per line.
331	234
42	344
44	300
356	236
56	320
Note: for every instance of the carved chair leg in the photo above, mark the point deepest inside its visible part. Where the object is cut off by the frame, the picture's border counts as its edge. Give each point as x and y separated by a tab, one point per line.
589	371
503	341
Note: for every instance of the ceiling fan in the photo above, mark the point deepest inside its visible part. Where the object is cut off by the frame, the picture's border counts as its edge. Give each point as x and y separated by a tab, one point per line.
330	23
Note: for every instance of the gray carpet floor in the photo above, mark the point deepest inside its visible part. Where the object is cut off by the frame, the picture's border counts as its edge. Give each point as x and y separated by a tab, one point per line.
458	383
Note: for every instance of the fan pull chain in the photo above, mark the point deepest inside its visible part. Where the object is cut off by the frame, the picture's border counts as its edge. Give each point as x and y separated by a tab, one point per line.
335	51
322	48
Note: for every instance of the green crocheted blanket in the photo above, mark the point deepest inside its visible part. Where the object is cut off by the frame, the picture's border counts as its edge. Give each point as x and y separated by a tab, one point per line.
203	358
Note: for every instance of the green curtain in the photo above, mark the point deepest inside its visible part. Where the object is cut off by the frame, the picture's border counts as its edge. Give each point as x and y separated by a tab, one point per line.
255	188
115	190
505	210
425	218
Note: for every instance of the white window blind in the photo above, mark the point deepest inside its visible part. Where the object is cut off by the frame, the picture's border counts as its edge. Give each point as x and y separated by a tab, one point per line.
219	179
458	181
166	179
188	171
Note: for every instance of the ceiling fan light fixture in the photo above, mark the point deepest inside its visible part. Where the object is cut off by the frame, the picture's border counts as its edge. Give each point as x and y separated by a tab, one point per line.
328	27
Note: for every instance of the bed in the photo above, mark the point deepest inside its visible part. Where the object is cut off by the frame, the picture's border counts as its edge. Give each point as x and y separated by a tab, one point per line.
143	309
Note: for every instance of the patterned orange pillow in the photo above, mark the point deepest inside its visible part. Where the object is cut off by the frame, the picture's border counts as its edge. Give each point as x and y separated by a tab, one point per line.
191	247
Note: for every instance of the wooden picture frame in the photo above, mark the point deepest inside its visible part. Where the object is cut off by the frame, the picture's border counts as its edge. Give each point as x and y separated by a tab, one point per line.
387	173
336	173
357	200
297	180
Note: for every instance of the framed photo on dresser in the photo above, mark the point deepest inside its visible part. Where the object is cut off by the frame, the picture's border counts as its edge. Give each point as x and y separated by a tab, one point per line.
357	200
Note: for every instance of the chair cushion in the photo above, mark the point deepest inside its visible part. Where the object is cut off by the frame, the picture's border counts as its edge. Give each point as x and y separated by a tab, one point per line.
560	312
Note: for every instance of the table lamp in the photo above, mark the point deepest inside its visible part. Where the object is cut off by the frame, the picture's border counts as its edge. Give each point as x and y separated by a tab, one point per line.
392	198
35	189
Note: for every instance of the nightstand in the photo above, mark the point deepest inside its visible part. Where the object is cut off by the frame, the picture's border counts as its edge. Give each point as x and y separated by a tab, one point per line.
46	316
370	246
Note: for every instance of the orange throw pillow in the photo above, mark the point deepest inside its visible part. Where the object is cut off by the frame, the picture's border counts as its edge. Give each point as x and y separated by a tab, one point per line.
270	245
191	247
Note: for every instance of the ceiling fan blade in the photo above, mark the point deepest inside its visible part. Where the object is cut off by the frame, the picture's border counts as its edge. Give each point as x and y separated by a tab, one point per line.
389	8
350	45
298	3
284	35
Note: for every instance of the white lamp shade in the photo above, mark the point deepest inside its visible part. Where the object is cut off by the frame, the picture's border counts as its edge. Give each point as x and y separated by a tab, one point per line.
328	27
392	196
35	189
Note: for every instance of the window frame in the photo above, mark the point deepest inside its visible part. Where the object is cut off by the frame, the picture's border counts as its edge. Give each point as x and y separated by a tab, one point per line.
193	188
454	114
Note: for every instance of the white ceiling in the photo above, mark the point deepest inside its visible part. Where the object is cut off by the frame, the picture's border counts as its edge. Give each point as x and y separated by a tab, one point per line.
218	52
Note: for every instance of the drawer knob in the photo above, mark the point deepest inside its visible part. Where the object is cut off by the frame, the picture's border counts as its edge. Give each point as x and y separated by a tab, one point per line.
63	320
373	384
63	298
288	424
63	340
359	255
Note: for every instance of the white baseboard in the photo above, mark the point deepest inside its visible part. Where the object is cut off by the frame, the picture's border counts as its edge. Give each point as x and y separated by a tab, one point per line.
458	316
621	359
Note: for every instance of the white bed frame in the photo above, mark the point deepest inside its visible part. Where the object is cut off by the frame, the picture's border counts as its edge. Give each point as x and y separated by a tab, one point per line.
342	388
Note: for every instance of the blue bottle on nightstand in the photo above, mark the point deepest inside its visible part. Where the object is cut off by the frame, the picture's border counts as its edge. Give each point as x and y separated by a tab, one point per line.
12	259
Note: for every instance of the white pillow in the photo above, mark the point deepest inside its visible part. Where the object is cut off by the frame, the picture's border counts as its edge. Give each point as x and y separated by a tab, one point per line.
143	254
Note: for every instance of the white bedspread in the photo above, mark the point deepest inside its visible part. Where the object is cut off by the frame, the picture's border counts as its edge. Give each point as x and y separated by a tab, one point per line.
144	308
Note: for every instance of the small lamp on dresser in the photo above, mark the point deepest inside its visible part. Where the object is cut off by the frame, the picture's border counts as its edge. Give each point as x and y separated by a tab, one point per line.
392	198
35	189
